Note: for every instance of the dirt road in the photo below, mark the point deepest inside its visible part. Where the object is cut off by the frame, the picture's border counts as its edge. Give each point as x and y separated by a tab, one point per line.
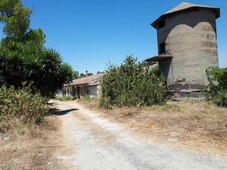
99	144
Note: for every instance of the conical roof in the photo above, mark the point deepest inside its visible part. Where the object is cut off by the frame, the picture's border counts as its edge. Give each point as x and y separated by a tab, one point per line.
185	6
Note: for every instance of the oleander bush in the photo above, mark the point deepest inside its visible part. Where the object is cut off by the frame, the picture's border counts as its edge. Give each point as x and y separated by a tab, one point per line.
131	84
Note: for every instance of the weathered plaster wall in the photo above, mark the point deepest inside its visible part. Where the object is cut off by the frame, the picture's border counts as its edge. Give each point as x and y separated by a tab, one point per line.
67	91
190	37
92	91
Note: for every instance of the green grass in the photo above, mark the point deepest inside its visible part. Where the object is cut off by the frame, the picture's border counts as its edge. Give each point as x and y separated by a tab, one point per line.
167	107
5	167
88	99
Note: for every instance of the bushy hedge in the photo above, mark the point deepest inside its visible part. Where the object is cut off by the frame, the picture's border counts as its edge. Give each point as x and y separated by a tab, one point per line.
131	84
217	88
20	106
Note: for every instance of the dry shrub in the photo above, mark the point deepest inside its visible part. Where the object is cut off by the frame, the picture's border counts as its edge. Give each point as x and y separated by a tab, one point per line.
20	108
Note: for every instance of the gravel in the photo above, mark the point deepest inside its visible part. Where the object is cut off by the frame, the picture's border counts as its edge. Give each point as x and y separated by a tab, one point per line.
114	147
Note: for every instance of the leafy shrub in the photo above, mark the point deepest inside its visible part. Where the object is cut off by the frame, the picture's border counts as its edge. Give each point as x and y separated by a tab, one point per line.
217	88
221	98
20	107
131	84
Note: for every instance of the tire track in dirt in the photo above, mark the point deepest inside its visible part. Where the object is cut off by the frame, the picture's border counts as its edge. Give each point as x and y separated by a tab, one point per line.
97	143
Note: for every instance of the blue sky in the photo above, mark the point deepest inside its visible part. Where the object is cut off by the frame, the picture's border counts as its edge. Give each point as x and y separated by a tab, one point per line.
91	33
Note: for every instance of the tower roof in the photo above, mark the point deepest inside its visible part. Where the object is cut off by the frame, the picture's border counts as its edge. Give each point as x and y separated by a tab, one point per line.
185	6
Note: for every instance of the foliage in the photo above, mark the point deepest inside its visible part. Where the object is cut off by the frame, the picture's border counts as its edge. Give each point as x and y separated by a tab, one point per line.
66	98
88	99
85	74
76	74
217	88
20	105
131	84
100	72
23	57
15	17
5	167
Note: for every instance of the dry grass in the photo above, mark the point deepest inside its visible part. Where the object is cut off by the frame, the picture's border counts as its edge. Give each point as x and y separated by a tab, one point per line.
32	150
200	126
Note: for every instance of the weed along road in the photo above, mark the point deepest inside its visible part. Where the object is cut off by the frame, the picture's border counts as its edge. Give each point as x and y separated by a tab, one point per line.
98	144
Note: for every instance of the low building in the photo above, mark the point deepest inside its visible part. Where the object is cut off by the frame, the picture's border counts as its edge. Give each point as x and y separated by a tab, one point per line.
82	87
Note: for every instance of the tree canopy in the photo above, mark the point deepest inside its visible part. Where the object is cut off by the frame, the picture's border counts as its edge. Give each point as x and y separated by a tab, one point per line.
23	56
16	18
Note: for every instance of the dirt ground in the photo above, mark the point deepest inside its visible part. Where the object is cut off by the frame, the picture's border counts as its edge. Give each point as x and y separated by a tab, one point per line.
93	138
98	143
198	126
34	151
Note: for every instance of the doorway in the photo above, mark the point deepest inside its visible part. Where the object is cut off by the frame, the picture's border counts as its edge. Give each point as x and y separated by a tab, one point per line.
78	92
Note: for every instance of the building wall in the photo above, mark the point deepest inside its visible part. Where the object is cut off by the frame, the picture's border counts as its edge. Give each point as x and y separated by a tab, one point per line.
84	91
190	37
91	91
67	91
94	91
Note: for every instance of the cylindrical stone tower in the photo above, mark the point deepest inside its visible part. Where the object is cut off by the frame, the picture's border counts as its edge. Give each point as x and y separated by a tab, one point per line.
187	44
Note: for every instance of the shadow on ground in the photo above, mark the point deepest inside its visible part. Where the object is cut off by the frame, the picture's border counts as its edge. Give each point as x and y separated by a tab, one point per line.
58	112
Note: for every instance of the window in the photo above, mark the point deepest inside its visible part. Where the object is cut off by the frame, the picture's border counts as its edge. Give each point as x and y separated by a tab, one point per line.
162	48
161	24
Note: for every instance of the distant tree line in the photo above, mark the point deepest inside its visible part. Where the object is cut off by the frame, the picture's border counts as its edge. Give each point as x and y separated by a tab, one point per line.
77	75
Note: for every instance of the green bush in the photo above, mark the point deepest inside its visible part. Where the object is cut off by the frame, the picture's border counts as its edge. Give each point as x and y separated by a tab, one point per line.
131	84
20	107
217	88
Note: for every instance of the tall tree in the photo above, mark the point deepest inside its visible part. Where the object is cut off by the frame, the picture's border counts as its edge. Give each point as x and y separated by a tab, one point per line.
76	74
23	57
15	17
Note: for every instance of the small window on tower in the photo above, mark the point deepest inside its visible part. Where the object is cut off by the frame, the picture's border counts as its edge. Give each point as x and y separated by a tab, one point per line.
161	24
162	48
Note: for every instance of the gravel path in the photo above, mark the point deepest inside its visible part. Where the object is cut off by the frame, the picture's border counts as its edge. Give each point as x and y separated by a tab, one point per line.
99	144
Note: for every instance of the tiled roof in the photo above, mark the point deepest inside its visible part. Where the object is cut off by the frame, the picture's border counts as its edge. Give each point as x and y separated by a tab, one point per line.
89	80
